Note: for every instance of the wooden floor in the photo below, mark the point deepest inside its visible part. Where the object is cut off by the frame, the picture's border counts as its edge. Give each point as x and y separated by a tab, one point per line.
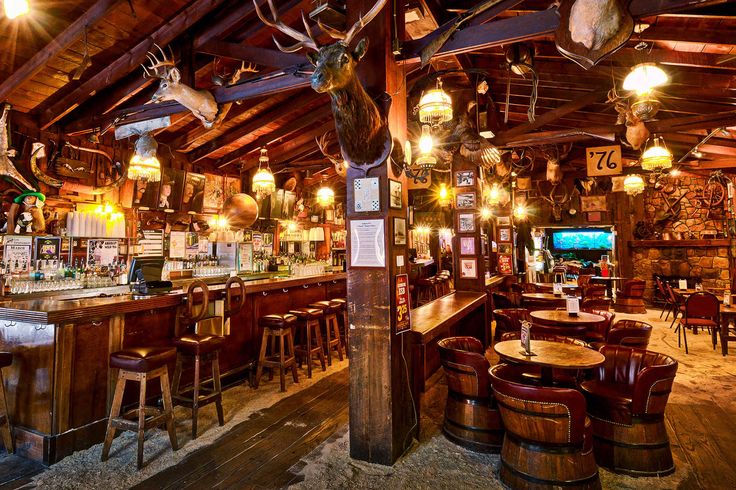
16	472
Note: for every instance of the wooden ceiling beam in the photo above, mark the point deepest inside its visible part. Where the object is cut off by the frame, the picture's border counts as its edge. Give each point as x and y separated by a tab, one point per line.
252	54
125	64
678	35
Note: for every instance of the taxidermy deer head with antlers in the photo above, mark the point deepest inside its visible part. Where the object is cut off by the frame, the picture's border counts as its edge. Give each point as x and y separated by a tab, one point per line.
201	102
362	131
555	202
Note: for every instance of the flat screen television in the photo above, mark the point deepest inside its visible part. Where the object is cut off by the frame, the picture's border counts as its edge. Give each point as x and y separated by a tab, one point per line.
582	240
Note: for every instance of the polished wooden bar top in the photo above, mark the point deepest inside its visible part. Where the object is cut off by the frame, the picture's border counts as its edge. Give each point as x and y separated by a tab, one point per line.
494	281
558	316
550	354
68	310
444	310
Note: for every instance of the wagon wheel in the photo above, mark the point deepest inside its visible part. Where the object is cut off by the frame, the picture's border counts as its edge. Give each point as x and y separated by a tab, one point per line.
713	194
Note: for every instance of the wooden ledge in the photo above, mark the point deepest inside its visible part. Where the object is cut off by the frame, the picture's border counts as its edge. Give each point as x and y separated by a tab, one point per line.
722	242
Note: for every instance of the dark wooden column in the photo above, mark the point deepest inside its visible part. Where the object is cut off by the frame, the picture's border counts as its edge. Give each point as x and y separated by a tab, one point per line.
383	419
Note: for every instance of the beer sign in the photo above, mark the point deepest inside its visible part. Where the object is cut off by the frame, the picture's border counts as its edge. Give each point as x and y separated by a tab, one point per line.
403	315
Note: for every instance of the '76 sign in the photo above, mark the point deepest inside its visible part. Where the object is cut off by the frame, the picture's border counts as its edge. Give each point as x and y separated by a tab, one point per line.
604	160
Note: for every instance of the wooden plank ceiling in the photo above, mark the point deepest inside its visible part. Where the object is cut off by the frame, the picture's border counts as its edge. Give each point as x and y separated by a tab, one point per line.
40	53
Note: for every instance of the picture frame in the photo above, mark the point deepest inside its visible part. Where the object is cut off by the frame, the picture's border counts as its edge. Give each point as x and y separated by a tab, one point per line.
465	200
464	178
503	220
466	223
504	248
399	231
395	194
469	268
504	234
467	245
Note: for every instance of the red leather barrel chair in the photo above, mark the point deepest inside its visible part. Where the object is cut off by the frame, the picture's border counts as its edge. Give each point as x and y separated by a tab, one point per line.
471	417
599	331
630	333
549	439
630	298
575	332
626	398
509	320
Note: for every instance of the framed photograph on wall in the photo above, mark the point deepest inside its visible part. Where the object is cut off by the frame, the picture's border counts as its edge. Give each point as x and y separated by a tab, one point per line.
394	190
466	223
464	178
503	220
504	234
469	268
465	200
467	245
504	248
399	231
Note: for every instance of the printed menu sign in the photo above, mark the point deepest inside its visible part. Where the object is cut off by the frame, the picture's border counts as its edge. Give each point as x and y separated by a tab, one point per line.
102	252
403	315
18	253
367	247
48	248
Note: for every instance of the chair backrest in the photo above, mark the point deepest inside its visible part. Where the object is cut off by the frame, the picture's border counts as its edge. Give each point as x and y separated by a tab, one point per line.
594	291
600	304
671	294
465	367
634	288
630	333
661	288
563	331
604	326
542	415
702	305
545	336
584	279
503	300
509	320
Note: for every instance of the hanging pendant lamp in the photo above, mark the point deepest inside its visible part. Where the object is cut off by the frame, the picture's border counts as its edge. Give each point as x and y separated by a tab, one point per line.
263	183
435	106
145	164
656	156
634	184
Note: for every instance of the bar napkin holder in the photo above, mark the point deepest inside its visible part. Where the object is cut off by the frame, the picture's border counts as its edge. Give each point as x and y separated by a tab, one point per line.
573	305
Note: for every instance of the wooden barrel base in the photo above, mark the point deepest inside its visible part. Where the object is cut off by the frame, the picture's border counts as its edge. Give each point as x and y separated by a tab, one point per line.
642	449
629	305
531	466
473	425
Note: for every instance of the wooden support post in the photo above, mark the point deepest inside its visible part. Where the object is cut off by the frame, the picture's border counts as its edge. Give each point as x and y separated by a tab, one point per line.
383	416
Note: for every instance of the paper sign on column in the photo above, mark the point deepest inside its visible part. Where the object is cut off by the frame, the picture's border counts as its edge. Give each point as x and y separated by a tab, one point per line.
367	247
367	197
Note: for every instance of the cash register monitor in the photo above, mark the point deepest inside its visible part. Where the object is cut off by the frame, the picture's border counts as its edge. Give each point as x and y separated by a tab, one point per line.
146	269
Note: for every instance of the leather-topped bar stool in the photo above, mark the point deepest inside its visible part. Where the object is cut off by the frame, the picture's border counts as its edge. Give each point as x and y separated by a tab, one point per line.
345	327
309	337
425	290
141	364
277	327
6	359
332	329
198	348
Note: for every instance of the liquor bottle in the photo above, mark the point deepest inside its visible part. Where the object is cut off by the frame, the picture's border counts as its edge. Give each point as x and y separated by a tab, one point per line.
54	226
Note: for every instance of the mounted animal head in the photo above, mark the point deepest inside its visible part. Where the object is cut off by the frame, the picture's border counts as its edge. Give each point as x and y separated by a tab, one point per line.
228	79
554	172
200	102
556	202
341	167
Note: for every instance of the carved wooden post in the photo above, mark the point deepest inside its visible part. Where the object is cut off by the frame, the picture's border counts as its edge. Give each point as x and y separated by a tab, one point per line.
382	417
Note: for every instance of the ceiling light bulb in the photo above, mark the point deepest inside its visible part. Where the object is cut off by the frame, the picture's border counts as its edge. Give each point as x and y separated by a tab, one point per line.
16	8
485	213
643	78
697	153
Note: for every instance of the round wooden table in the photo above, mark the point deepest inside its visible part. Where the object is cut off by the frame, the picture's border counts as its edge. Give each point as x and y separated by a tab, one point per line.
728	313
608	282
559	317
542	300
550	355
550	285
543	296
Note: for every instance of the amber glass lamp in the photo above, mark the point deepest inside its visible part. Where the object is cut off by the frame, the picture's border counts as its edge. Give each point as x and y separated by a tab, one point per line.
435	106
656	156
145	165
263	183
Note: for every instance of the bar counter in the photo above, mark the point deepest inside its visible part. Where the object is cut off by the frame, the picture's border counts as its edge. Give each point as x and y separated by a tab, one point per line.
59	387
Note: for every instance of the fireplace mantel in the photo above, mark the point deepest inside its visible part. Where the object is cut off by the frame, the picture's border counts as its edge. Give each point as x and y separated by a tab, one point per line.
678	243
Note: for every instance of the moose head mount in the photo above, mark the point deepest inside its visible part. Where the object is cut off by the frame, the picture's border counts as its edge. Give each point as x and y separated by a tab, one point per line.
201	102
365	141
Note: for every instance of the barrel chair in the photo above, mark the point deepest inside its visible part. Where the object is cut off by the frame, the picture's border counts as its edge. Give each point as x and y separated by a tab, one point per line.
509	320
575	332
548	441
599	331
584	280
471	417
594	291
630	298
629	333
627	396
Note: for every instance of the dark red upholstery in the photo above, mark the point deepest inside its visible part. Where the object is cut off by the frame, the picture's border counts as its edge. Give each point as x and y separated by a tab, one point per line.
307	313
577	332
630	383
584	280
505	300
509	320
6	359
702	309
599	331
465	355
600	304
630	333
633	288
280	320
594	291
195	344
142	359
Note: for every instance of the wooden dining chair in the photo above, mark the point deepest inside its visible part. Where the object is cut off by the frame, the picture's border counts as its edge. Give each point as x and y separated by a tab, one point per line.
702	310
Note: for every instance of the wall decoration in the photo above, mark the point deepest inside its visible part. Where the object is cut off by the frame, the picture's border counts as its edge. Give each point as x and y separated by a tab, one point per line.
367	243
403	303
466	223
47	248
503	220
170	189
213	192
233	186
102	252
145	194
467	245
399	231
505	264
464	178
367	197
594	217
617	183
465	200
394	192
604	160
504	234
593	203
192	198
17	253
469	268
504	248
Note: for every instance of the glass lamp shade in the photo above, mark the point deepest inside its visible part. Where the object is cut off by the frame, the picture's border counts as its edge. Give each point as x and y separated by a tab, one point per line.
264	182
443	195
145	165
425	141
656	157
634	184
644	77
425	162
435	106
325	196
16	8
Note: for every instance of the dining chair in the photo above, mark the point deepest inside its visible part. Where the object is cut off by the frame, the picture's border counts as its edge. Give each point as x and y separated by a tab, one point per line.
676	300
666	298
702	309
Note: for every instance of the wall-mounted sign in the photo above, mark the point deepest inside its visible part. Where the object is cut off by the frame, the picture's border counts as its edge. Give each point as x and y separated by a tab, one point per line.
367	197
604	160
48	248
367	243
102	252
505	264
403	307
17	254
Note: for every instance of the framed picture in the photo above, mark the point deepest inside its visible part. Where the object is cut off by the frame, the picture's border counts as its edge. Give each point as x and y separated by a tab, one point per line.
465	200
145	194
170	189
503	220
467	245
329	215
232	186
466	223
504	234
505	264
468	268
394	189
399	231
464	178
193	195
504	248
214	191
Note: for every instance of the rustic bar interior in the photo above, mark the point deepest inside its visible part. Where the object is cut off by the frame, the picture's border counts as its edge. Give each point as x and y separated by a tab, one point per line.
367	243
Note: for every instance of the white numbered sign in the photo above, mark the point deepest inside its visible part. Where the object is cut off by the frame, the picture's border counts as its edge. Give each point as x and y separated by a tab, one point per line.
604	160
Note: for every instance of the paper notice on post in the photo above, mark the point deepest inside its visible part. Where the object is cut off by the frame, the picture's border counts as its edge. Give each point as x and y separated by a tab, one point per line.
367	247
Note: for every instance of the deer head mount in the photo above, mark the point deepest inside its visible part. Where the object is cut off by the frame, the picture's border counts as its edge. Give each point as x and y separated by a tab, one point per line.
200	102
228	79
341	167
555	201
554	172
365	141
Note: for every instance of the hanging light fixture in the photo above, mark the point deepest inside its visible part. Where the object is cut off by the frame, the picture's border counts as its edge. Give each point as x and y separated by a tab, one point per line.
16	8
634	184
520	212
263	181
656	156
485	213
435	106
495	194
443	195
325	196
426	160
145	165
645	77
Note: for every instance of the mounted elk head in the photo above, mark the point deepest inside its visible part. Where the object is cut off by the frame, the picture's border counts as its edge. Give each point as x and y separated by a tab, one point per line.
555	201
200	102
362	131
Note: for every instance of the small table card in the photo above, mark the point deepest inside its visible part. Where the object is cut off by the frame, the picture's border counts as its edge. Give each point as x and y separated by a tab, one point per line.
682	284
573	306
557	289
526	339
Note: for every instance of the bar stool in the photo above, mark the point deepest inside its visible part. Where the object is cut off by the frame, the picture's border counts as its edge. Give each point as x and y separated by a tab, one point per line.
277	327
141	364
437	286
196	348
308	324
6	359
345	325
332	329
425	290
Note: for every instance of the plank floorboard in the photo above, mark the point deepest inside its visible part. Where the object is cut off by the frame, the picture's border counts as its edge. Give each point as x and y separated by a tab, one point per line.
16	471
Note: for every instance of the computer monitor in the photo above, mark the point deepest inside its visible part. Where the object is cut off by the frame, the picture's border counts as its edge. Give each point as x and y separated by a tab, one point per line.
146	269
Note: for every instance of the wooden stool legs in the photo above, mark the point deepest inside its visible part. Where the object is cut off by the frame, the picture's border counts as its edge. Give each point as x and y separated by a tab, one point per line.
313	345
145	417
333	337
198	400
283	360
5	429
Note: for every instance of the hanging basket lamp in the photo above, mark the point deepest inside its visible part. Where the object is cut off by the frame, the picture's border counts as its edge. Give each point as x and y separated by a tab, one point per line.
656	156
634	184
263	183
145	165
435	106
